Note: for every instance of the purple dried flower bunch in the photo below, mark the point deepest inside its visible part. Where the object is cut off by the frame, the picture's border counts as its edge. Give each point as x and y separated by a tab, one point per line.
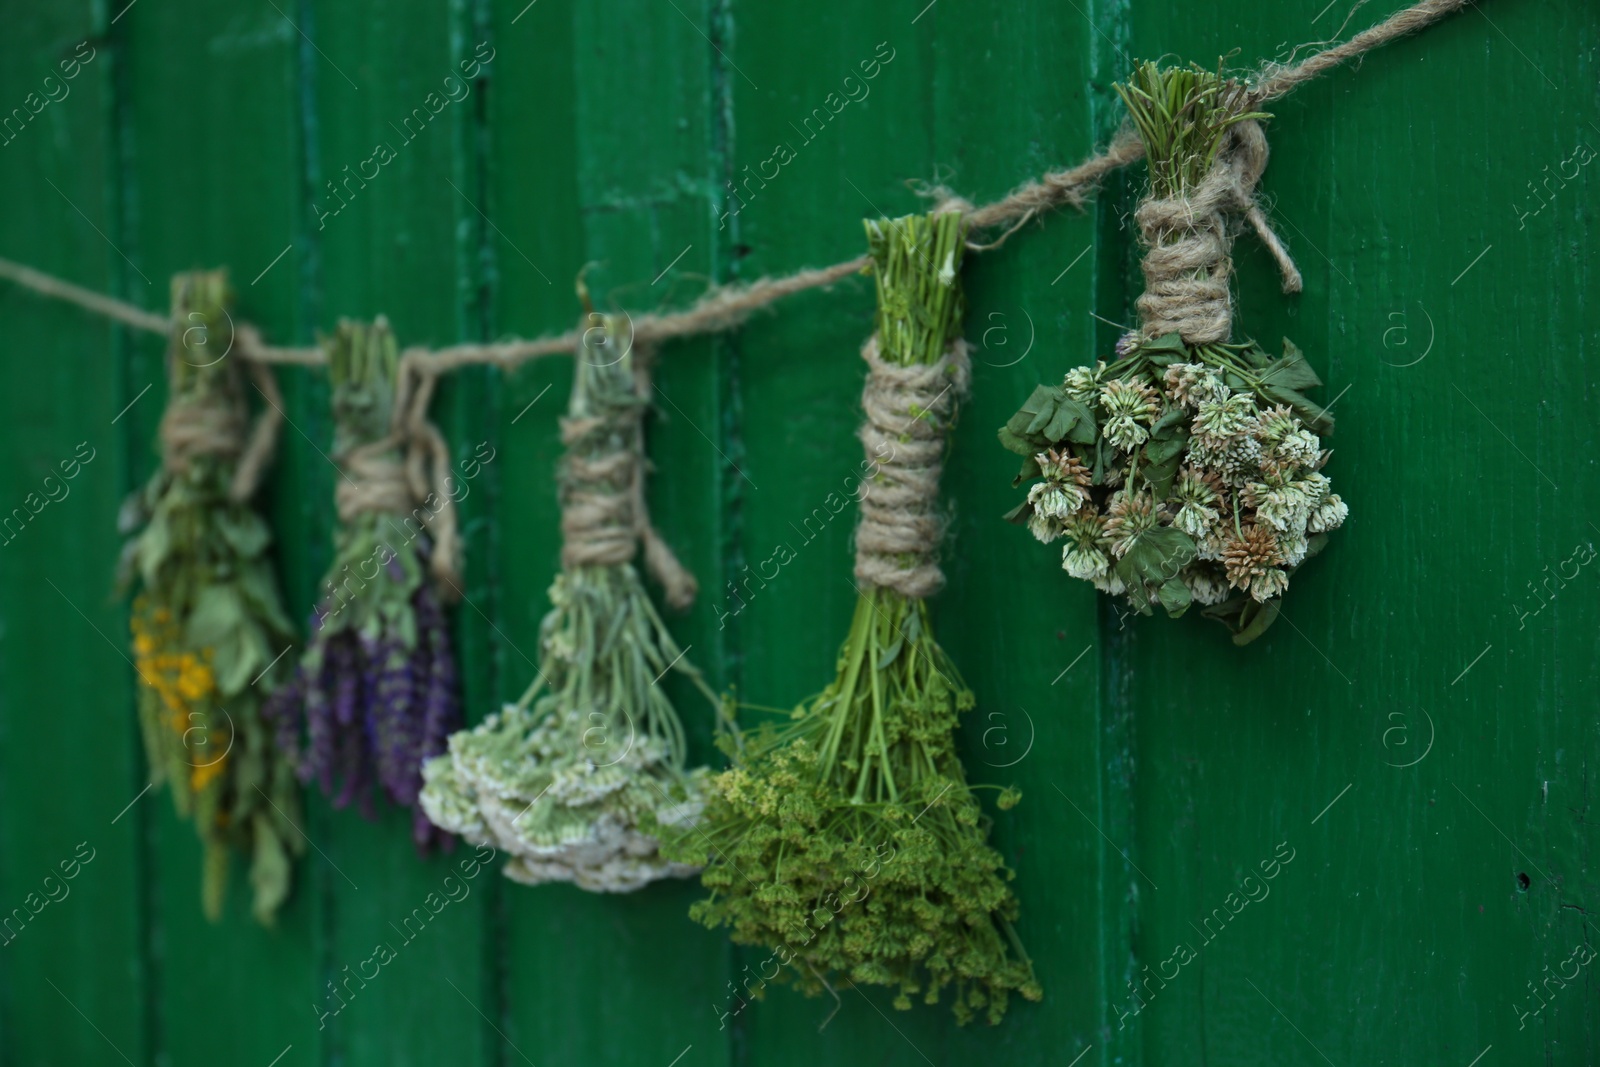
375	693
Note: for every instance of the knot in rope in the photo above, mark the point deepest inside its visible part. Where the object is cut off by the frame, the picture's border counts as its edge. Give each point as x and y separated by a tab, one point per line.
1189	240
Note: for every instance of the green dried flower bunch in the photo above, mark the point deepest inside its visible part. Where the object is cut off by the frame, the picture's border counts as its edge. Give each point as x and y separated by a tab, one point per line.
208	626
578	778
1180	473
847	838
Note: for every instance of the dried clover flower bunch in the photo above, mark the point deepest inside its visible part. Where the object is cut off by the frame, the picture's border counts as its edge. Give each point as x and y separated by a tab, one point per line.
847	839
207	623
578	778
1186	469
375	692
1179	474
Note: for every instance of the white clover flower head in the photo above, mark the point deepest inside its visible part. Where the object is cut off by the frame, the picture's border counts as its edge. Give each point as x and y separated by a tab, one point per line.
1293	546
1082	556
1085	563
1194	519
1129	406
1316	487
1275	423
1206	584
1226	418
1136	400
1054	500
1238	461
1301	448
1125	433
1268	584
1126	344
1109	583
1044	527
1250	555
1128	519
1083	383
1284	506
1191	383
1062	466
1330	515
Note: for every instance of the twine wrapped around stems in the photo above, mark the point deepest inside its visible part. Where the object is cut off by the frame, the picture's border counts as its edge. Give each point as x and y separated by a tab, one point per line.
1188	239
207	415
604	518
909	408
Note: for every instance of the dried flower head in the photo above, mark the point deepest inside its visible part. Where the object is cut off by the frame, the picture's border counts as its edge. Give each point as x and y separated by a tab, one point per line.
1202	464
1191	383
1330	515
1221	420
1250	557
1196	497
1083	557
1207	584
1130	407
1128	518
1083	383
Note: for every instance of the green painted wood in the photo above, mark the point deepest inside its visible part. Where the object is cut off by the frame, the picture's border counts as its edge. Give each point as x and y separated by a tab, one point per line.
1399	932
591	168
1160	766
72	971
189	172
397	244
1037	708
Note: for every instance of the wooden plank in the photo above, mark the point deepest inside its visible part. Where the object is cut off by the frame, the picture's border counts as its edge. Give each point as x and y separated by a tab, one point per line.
1443	238
603	153
1388	183
209	184
932	107
72	979
395	244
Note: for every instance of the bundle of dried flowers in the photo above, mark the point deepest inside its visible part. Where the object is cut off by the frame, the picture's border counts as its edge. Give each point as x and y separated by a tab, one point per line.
208	626
847	839
375	691
577	780
1186	469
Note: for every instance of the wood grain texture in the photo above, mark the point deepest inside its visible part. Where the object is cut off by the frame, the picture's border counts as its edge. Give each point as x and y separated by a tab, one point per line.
197	99
1400	932
65	711
1416	731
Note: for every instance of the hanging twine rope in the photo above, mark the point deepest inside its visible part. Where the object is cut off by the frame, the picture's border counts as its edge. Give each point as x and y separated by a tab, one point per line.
427	465
1188	240
1189	249
725	308
909	411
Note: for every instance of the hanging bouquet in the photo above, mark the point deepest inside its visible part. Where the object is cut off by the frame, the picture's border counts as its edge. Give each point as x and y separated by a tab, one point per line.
1186	469
375	691
577	780
207	624
847	838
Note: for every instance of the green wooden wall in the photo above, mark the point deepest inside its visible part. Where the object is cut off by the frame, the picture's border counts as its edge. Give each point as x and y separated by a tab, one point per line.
1407	752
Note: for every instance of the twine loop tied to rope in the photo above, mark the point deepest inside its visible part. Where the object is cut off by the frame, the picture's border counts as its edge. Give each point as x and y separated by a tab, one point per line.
909	410
1189	240
425	463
